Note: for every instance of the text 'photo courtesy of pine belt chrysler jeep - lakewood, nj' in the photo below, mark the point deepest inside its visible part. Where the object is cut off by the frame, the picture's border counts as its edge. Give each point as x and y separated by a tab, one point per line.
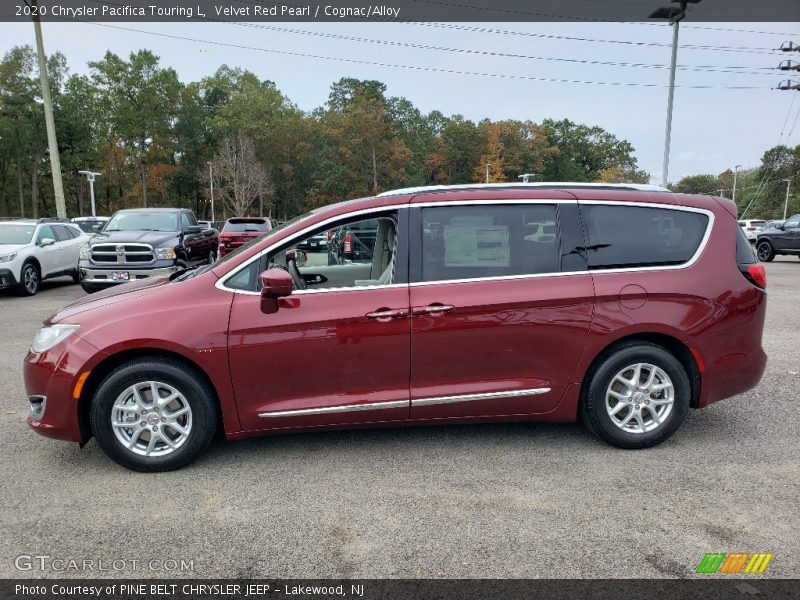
621	305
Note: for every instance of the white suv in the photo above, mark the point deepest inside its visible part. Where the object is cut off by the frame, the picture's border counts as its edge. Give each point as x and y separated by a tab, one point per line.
33	250
751	228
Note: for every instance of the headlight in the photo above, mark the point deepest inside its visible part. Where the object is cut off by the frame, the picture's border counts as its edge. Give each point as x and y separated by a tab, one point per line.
86	253
165	253
47	337
7	257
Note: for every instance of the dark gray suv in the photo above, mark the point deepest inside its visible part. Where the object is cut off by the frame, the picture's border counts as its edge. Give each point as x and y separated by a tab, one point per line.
780	239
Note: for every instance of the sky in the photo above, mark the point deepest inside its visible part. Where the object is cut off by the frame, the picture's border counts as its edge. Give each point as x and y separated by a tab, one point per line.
713	129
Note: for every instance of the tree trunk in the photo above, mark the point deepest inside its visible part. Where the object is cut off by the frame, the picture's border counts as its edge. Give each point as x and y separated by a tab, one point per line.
144	184
21	191
80	198
35	191
374	172
260	204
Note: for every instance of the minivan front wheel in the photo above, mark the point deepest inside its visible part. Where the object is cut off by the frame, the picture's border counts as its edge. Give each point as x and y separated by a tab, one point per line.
153	415
637	397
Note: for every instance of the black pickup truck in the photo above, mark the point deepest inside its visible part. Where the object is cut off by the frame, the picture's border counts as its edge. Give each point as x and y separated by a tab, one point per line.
145	242
780	239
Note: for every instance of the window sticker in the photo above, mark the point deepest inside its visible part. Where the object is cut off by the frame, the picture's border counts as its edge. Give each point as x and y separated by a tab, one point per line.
476	246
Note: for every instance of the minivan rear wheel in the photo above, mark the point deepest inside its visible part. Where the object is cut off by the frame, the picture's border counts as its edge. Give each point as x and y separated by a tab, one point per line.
153	414
637	396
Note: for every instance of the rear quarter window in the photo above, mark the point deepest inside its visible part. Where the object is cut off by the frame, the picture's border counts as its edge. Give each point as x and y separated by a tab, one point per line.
641	236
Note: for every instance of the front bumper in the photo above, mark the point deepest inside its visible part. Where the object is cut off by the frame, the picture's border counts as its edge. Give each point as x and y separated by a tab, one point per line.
96	275
52	376
7	279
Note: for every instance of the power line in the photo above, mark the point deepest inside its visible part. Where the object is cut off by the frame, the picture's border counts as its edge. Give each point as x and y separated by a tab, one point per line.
416	67
739	70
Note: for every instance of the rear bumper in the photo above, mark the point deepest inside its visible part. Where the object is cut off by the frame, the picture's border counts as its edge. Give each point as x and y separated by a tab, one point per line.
733	362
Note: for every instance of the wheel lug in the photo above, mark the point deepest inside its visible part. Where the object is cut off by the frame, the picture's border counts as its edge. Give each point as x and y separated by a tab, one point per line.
636	407
144	412
142	424
163	419
155	427
647	402
155	408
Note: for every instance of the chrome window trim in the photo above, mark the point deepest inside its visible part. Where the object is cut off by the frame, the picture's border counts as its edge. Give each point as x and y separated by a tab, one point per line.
220	283
342	408
475	397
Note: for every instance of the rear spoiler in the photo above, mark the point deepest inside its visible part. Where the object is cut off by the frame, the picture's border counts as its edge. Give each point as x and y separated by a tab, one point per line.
728	205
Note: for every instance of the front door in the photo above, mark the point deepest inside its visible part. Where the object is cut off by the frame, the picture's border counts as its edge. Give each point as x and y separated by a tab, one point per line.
497	326
336	352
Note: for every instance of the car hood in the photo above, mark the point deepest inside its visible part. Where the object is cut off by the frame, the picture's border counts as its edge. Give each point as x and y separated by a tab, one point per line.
118	294
156	238
9	248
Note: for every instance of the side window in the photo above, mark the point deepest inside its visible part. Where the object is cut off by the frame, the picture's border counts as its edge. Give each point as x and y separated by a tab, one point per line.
467	242
351	254
192	218
792	222
45	232
185	223
633	236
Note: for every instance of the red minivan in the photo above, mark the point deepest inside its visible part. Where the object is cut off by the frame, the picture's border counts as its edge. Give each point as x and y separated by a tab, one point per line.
624	304
237	231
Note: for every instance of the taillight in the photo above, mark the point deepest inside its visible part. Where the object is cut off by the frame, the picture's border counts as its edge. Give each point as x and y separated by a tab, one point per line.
751	229
755	274
348	243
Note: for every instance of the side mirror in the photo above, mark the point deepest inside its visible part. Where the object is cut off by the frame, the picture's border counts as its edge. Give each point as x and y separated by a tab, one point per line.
207	232
194	229
47	242
97	226
275	283
298	256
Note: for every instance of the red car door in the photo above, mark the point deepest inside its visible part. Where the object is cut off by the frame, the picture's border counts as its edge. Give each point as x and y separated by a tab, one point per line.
328	356
498	325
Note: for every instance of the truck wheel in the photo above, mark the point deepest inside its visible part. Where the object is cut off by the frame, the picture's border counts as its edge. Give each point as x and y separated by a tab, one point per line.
154	414
765	252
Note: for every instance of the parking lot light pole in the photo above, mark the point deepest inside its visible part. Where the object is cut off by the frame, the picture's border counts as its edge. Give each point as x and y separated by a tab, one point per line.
211	181
487	171
735	173
90	176
786	202
674	16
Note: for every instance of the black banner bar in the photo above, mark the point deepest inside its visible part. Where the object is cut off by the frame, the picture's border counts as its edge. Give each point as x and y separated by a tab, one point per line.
738	587
392	10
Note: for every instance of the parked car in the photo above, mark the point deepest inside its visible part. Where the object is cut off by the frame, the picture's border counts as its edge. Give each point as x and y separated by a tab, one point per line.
34	250
644	304
237	231
316	243
783	239
751	228
141	243
90	224
208	224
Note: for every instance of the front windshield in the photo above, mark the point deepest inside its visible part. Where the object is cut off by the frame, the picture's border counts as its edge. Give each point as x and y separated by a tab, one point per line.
16	234
143	221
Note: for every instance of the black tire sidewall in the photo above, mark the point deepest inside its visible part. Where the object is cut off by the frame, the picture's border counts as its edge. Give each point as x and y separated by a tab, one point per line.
196	391
594	398
771	252
24	290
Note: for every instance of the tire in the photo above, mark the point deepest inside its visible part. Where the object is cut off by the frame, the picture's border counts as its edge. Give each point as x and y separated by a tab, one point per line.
76	276
181	264
176	443
30	280
91	289
765	251
212	257
643	419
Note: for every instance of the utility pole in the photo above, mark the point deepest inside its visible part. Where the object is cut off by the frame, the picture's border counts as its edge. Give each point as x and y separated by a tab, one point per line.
52	144
675	16
786	202
487	171
211	181
735	173
90	176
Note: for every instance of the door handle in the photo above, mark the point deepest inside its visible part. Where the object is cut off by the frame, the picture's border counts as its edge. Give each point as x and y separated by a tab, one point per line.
433	309
387	314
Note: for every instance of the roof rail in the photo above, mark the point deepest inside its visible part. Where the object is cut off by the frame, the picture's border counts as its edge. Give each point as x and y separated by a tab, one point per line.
555	185
52	220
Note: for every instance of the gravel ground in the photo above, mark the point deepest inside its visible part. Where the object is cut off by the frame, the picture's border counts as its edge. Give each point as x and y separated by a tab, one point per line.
514	500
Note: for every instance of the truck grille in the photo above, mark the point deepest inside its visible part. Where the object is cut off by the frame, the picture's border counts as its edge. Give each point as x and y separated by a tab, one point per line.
121	254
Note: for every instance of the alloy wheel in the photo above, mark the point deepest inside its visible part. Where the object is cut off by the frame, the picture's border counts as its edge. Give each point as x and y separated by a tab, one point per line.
31	280
151	418
640	398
